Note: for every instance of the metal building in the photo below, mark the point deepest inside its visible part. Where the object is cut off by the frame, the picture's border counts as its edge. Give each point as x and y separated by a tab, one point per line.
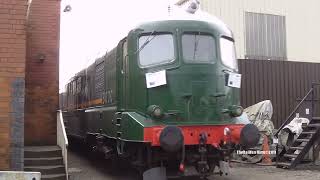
270	29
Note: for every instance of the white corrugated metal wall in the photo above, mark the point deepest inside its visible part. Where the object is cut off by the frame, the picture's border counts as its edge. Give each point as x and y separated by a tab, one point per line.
302	27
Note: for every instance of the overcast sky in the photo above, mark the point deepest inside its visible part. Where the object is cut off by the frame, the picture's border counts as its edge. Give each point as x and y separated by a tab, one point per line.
94	26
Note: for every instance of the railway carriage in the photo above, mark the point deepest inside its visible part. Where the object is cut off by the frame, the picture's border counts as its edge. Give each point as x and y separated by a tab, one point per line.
167	97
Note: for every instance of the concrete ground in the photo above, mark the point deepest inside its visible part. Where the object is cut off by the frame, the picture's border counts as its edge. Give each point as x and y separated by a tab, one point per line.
83	168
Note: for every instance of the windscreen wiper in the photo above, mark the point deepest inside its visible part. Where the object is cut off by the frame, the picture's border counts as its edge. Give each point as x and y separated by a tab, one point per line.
148	40
196	42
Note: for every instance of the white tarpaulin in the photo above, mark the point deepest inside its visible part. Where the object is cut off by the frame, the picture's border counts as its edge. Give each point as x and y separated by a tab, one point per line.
260	115
295	126
243	119
291	131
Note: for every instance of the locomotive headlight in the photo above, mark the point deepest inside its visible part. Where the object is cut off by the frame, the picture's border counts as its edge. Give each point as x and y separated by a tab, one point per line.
235	111
155	111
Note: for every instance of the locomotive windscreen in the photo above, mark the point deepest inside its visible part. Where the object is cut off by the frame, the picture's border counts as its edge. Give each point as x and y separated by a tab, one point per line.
156	49
198	48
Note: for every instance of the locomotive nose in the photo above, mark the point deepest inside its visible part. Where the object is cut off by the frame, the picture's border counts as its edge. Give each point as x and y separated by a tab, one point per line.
171	139
249	136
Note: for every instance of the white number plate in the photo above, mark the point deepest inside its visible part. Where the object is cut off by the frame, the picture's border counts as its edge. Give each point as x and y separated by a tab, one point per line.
234	80
156	79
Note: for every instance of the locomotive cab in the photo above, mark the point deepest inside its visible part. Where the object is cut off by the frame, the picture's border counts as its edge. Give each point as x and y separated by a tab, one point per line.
183	68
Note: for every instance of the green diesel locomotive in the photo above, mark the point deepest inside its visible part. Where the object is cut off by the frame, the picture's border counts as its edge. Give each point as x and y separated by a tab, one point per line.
167	96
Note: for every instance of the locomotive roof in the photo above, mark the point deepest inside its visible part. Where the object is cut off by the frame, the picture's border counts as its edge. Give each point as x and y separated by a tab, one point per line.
200	17
178	14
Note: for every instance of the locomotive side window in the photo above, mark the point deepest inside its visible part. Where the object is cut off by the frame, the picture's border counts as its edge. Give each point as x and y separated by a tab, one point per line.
198	48
156	49
228	55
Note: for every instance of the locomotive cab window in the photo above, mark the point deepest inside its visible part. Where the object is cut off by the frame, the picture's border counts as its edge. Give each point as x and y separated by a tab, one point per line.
156	49
228	54
198	48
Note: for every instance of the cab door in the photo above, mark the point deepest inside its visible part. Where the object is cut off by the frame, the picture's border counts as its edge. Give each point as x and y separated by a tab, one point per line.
123	84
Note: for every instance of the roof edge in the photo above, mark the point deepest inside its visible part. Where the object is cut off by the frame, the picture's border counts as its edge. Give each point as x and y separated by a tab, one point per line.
181	2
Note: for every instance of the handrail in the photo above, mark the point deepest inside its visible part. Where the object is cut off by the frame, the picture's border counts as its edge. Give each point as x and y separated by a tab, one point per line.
311	91
295	109
63	128
62	140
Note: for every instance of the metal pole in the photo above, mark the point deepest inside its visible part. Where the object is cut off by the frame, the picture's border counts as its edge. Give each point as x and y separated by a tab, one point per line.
312	101
277	155
312	115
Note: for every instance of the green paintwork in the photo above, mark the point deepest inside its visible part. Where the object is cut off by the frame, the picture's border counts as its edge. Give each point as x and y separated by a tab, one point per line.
130	126
200	85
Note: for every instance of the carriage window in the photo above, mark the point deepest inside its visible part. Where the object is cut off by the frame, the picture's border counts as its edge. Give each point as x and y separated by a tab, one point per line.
198	48
228	55
156	49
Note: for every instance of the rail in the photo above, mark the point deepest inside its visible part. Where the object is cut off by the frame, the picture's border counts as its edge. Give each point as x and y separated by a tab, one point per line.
62	140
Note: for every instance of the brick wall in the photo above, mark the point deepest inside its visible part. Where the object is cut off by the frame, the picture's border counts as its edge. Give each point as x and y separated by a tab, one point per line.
28	87
12	82
42	77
